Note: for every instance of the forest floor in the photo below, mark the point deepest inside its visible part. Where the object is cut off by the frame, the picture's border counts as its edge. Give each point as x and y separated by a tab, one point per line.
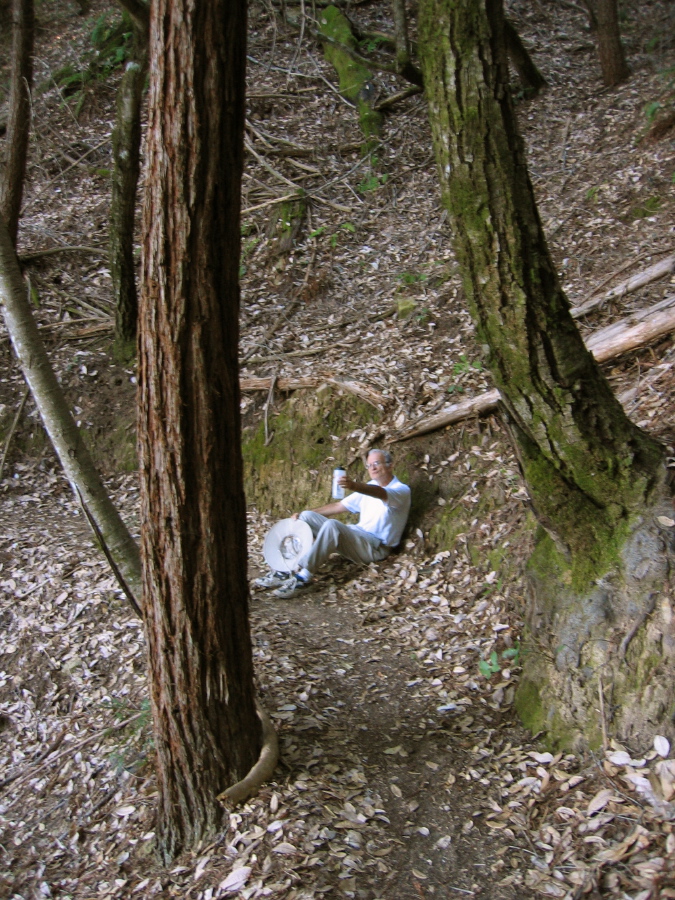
404	772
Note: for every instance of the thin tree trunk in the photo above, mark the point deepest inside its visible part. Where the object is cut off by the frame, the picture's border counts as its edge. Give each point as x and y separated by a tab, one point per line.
57	419
523	63
404	63
18	124
126	165
610	49
193	510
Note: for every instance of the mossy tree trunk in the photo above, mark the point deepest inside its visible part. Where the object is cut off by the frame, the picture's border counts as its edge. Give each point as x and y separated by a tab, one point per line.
18	122
193	512
126	143
590	471
355	81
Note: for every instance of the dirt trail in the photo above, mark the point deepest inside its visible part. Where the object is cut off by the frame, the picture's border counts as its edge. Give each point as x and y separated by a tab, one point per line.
363	693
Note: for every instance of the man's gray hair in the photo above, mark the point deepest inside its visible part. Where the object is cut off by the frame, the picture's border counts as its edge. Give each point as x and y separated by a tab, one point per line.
386	455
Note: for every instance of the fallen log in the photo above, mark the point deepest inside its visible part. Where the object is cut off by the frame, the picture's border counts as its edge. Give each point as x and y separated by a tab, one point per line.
635	331
653	273
607	343
630	333
370	395
473	406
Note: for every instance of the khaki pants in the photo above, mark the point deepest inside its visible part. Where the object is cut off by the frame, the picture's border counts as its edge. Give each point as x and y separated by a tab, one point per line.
331	536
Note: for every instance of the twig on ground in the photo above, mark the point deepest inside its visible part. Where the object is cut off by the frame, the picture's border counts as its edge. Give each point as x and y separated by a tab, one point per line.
268	403
393	99
266	203
52	747
285	314
63	172
52	251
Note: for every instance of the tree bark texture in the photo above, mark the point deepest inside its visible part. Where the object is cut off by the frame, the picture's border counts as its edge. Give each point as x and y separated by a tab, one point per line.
588	467
611	53
126	142
593	476
57	419
18	123
193	511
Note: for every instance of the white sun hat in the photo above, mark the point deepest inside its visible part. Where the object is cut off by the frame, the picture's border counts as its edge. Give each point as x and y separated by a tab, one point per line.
285	543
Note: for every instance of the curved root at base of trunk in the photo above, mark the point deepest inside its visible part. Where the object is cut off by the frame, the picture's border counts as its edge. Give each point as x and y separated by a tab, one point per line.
261	771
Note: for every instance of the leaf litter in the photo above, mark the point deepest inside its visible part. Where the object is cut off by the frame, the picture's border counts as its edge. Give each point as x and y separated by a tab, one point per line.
403	771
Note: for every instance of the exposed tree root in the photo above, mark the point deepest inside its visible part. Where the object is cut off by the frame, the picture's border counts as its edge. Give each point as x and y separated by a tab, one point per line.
262	771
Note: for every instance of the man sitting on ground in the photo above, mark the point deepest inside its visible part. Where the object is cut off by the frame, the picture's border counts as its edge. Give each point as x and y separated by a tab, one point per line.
383	505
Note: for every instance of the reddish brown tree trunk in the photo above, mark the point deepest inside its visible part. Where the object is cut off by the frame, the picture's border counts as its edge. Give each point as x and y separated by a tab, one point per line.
18	124
192	500
610	49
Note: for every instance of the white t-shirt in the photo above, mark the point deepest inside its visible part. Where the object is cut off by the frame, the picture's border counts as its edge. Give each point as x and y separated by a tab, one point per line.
385	520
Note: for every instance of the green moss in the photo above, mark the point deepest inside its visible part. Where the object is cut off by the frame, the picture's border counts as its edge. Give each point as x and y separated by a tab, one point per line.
538	716
405	307
124	351
529	706
293	471
284	229
593	534
114	448
354	77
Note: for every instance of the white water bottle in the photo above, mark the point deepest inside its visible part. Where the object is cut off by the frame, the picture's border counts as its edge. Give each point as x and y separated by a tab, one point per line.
338	491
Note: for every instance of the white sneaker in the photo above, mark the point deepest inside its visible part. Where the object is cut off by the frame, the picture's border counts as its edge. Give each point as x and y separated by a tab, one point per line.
291	586
271	580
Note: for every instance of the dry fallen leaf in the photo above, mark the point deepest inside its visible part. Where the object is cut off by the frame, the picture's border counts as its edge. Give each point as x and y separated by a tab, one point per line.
662	745
599	801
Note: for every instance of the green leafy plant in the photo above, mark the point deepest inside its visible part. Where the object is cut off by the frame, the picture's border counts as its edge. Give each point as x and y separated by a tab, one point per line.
371	43
490	667
412	278
111	38
372	182
647	208
126	757
463	366
652	109
592	193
